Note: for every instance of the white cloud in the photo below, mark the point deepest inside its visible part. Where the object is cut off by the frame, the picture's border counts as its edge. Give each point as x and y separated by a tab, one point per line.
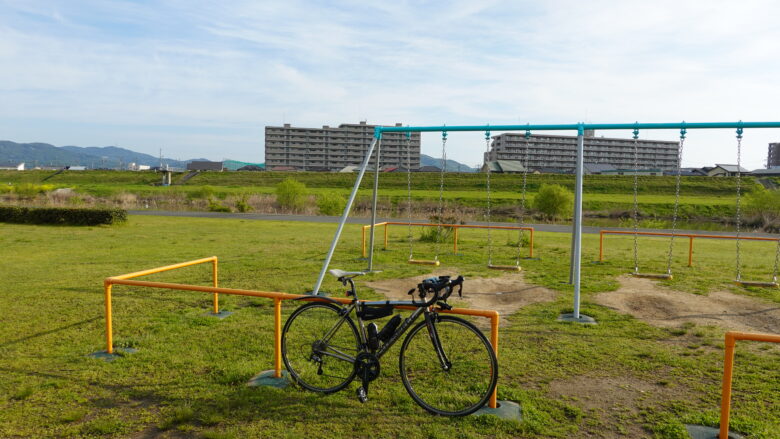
231	68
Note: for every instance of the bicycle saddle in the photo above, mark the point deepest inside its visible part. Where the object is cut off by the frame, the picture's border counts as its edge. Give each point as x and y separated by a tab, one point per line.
341	273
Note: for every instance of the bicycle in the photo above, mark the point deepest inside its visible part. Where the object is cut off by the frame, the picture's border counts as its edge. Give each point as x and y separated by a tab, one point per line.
447	365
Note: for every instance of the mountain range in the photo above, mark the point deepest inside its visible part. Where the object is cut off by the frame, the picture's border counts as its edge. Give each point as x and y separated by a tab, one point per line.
44	154
113	157
450	165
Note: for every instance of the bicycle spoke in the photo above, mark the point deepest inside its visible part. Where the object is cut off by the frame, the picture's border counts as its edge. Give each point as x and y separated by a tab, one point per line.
319	347
469	381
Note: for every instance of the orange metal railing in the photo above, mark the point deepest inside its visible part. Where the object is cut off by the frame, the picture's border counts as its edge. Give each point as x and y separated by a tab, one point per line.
728	370
456	228
126	279
690	237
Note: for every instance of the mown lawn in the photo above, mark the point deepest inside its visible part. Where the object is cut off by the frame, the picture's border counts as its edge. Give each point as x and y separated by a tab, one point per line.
188	377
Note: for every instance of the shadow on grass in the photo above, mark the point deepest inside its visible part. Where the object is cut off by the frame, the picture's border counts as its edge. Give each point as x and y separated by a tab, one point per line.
50	331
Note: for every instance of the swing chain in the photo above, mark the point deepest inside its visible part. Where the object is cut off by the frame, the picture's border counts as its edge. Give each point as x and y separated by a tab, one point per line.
636	203
409	191
522	200
487	183
676	200
441	193
738	208
777	260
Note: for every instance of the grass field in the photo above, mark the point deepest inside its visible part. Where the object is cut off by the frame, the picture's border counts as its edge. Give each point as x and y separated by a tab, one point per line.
701	198
188	377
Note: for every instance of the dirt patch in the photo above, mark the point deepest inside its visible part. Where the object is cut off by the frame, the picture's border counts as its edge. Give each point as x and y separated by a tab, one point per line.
660	306
617	401
505	294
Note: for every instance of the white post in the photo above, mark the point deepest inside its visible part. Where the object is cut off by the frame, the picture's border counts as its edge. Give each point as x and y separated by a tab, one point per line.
577	235
373	208
344	217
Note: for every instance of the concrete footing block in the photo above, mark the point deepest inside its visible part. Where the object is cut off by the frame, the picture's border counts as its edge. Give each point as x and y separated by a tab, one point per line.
569	317
267	378
504	410
220	315
702	432
118	352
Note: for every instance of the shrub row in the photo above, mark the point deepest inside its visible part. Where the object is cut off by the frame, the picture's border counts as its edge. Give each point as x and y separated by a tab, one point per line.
61	215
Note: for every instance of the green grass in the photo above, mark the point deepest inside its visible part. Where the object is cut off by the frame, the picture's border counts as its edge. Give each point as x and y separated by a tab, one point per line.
701	197
188	377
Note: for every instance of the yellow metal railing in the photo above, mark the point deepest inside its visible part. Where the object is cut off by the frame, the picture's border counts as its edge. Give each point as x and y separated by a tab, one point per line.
126	279
690	237
455	227
728	371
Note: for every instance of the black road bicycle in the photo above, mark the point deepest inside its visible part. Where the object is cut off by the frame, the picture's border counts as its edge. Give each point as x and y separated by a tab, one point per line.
446	363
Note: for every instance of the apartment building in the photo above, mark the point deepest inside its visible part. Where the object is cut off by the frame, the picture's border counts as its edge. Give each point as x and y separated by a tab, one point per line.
334	148
773	157
560	152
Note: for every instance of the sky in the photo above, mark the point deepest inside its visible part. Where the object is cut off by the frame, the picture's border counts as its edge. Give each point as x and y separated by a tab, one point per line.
203	78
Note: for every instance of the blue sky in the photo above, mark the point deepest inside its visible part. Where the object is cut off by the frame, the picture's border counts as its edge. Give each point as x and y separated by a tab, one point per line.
202	79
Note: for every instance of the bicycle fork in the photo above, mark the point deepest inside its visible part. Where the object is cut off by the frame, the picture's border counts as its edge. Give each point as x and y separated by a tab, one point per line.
430	324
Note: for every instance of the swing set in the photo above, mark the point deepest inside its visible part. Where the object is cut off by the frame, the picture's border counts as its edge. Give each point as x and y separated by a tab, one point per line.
440	211
738	237
374	150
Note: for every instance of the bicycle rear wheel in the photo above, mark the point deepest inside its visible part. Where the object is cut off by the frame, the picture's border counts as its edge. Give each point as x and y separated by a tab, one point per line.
469	382
319	347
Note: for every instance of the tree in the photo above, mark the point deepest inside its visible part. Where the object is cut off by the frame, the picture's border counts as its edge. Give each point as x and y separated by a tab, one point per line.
553	200
291	194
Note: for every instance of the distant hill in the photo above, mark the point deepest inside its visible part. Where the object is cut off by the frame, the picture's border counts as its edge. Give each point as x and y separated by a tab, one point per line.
44	154
451	165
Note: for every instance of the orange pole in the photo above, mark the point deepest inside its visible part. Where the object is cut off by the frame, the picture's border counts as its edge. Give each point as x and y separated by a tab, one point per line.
690	251
385	236
531	244
164	268
109	330
455	249
728	371
216	284
277	338
601	245
494	341
725	399
364	241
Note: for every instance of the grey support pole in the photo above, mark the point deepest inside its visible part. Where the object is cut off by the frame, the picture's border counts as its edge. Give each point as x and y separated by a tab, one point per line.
344	216
373	208
577	233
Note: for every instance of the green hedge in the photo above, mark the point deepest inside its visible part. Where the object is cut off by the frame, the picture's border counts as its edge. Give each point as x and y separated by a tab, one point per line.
61	215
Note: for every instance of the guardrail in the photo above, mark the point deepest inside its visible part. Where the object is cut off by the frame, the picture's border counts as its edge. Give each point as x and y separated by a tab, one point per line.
126	279
728	371
690	237
456	228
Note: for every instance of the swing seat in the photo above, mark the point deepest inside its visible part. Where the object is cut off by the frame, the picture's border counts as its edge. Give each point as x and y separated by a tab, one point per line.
747	283
505	267
663	276
423	262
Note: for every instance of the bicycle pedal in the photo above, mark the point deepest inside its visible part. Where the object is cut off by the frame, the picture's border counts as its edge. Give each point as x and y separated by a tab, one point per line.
362	395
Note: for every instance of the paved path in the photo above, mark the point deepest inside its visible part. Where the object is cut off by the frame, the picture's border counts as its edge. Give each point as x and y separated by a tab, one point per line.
558	228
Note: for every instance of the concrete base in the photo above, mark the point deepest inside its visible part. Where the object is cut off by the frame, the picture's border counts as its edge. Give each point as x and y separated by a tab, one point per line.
569	317
267	378
702	432
118	352
505	410
220	315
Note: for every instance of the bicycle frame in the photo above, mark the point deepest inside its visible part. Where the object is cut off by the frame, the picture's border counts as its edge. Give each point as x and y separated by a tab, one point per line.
405	325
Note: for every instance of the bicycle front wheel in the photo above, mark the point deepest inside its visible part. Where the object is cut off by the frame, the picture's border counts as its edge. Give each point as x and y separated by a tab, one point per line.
463	386
319	347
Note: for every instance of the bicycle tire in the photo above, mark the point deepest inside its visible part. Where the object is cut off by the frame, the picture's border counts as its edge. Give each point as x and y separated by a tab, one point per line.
470	381
302	347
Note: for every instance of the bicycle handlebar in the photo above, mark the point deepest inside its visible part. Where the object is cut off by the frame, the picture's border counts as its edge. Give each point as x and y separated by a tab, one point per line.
435	285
